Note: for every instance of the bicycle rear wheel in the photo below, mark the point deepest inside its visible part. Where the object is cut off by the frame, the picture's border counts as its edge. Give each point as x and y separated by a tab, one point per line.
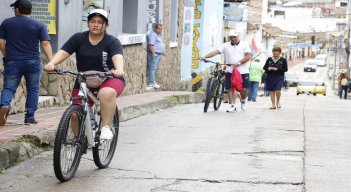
67	148
209	92
218	98
105	149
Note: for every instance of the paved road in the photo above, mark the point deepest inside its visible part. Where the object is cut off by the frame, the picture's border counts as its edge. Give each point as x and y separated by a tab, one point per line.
304	146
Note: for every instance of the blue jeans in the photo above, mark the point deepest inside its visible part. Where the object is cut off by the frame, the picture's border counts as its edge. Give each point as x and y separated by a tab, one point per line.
13	72
253	90
343	89
153	63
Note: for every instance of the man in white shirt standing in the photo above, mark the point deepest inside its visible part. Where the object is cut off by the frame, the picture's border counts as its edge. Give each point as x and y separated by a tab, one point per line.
236	53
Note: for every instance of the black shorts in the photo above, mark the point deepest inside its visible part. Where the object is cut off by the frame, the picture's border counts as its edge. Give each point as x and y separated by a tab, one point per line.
228	82
246	80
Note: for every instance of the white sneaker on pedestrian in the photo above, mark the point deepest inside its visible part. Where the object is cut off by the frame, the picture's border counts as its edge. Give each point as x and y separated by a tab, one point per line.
243	105
231	109
106	133
149	87
156	86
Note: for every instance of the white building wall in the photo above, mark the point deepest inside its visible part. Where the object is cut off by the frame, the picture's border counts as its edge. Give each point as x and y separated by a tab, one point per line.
301	20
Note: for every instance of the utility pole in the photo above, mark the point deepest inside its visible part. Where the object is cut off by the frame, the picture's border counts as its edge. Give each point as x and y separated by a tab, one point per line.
335	54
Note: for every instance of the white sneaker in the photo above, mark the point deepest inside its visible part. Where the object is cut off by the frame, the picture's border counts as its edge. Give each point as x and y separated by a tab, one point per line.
156	86
106	133
231	109
243	105
148	88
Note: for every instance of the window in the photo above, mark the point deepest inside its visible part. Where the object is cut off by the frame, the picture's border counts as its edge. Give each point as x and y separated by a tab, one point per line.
173	31
279	14
133	22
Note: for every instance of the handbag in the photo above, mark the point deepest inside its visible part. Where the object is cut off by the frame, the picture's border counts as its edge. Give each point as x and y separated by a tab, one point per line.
94	81
236	80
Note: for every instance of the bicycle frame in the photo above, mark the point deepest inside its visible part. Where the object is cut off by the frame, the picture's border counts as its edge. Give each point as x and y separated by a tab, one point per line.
84	94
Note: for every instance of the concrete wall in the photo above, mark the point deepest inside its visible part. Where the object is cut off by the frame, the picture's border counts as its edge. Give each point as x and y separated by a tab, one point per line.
115	9
69	21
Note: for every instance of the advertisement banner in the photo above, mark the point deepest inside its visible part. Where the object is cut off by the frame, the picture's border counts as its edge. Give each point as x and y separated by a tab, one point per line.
45	12
154	14
186	54
235	13
196	72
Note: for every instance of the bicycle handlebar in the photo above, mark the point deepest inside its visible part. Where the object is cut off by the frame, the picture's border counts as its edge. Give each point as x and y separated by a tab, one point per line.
83	74
210	61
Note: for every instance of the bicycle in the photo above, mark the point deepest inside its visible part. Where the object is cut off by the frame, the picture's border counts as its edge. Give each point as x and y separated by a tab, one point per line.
215	86
77	131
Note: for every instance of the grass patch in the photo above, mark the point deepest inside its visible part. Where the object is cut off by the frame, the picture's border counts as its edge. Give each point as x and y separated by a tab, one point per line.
29	139
175	100
2	170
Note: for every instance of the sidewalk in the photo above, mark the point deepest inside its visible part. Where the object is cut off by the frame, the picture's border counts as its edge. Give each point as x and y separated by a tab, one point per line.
19	141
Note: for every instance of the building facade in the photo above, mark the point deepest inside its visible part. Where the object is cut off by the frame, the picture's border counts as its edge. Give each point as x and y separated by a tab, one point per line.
129	21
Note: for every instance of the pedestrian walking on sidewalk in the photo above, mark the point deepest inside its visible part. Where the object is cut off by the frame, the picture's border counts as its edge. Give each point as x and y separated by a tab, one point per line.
343	84
275	67
256	72
237	53
96	50
155	49
20	37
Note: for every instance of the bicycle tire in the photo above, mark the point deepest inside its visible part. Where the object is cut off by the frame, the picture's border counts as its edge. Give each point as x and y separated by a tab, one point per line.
101	159
209	93
63	172
218	98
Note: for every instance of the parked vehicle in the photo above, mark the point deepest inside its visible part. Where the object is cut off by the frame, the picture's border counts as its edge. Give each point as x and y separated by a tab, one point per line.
310	65
291	79
321	60
311	87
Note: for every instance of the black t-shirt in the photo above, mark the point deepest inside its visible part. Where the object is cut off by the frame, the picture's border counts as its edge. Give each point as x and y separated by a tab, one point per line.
93	57
281	64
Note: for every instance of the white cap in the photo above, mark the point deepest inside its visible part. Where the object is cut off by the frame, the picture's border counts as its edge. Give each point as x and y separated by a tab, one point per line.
98	12
233	32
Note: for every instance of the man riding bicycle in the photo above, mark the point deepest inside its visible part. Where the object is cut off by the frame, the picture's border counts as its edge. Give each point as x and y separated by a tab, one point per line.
96	51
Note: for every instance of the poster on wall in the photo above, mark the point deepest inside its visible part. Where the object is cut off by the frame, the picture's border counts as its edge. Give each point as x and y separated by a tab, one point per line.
154	13
89	5
196	73
187	41
45	12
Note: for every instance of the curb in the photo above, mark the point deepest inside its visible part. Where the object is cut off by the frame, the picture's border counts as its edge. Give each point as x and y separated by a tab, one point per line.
27	146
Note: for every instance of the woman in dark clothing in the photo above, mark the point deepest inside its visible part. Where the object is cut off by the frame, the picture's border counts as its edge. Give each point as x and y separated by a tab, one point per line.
275	68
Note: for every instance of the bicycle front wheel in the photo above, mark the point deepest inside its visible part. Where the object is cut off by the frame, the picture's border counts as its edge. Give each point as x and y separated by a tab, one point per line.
218	98
105	149
209	92
67	148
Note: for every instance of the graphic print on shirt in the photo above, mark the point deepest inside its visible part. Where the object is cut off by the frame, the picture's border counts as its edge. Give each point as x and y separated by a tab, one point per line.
104	60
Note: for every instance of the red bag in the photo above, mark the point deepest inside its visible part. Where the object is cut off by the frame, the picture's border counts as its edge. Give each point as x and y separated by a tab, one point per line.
237	80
